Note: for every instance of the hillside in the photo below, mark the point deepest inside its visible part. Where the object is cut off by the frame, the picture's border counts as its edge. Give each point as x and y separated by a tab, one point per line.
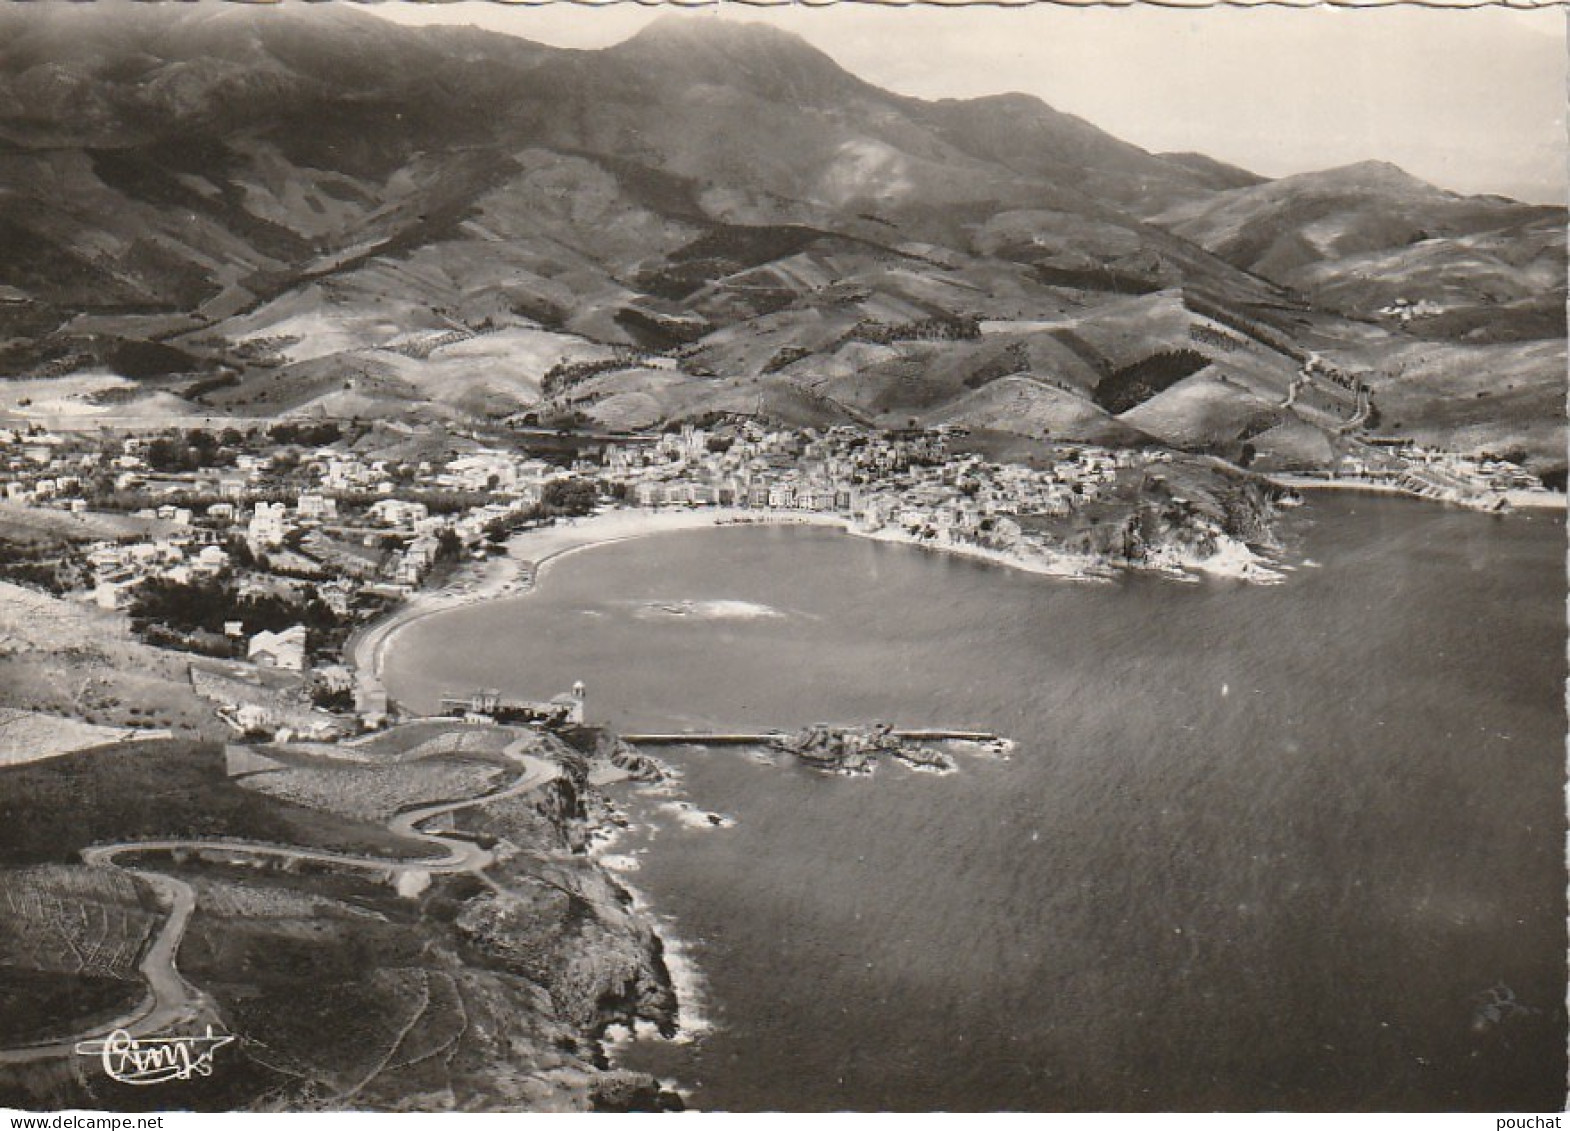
71	660
251	211
1366	238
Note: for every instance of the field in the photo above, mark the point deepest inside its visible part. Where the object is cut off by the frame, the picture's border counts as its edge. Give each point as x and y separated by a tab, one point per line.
58	396
27	737
410	742
265	896
20	523
423	739
65	658
75	920
50	810
377	793
44	1004
71	938
362	1000
1494	397
1028	407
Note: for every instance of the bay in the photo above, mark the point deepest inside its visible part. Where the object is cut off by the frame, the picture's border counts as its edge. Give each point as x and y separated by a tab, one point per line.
1256	847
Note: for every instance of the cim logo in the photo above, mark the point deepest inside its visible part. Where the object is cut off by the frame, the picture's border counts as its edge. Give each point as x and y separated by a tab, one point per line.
155	1060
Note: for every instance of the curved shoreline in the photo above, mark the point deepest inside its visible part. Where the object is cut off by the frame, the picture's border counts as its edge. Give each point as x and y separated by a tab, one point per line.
1521	500
366	648
585	534
539	548
542	547
535	551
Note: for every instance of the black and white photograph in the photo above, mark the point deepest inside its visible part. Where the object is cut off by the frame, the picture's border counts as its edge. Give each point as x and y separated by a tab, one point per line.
782	557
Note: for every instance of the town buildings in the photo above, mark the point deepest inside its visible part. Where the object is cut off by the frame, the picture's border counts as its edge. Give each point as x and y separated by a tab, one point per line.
332	524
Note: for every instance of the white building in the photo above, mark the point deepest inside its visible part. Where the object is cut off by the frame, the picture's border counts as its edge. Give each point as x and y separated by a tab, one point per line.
268	525
316	507
284	650
397	512
210	560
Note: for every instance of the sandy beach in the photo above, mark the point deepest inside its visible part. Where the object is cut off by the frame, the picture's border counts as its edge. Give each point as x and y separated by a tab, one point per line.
549	543
367	648
532	552
543	546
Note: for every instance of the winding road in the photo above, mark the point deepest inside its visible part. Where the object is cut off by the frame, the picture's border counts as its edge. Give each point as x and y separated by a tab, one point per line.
171	1000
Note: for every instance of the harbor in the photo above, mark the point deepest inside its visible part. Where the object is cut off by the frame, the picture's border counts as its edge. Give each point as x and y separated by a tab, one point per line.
766	737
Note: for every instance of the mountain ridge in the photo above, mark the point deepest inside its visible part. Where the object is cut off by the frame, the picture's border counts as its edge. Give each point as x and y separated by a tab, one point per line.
283	198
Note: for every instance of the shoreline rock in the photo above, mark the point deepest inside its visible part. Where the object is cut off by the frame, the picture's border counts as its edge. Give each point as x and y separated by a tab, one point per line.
855	749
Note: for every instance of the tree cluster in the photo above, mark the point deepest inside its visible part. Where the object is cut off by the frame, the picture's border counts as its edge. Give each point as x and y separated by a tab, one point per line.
190	451
206	605
566	497
306	434
1135	384
564	374
569	497
939	328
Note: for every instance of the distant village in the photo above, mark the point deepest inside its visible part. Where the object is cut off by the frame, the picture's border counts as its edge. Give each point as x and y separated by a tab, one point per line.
912	481
348	525
1482	482
262	553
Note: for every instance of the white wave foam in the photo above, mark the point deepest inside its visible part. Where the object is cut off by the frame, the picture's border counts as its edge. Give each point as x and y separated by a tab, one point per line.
708	610
692	999
695	818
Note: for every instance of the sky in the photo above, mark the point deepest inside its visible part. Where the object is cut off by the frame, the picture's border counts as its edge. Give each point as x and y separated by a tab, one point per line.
1471	100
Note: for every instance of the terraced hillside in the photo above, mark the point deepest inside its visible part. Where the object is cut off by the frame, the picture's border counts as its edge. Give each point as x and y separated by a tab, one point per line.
210	202
72	938
294	898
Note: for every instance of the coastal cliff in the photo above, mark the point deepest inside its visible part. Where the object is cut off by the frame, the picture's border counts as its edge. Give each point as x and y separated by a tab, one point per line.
1198	515
560	920
354	985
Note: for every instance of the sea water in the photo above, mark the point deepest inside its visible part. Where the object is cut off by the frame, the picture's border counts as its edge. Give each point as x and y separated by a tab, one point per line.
1256	847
